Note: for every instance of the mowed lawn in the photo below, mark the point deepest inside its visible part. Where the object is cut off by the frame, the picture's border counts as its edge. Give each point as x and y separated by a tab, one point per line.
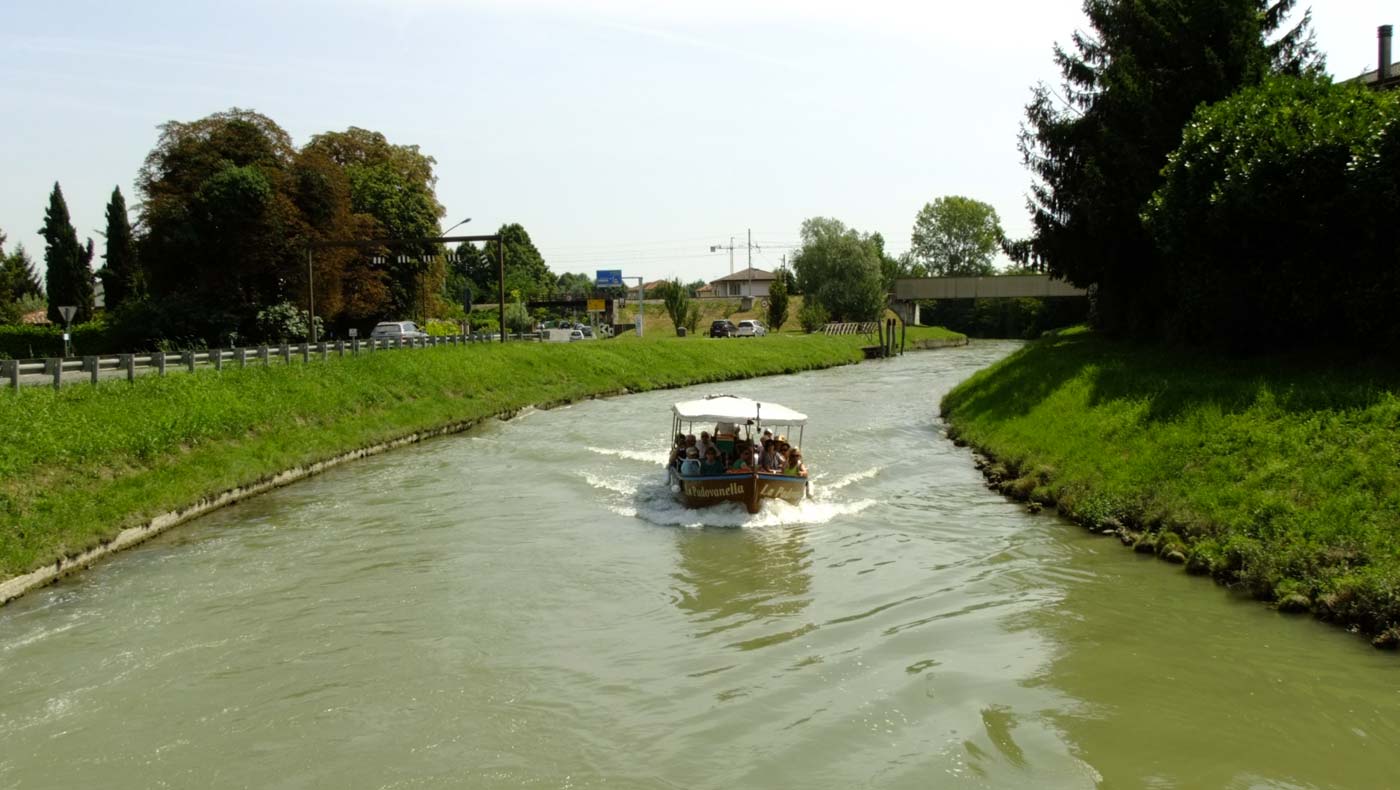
1277	473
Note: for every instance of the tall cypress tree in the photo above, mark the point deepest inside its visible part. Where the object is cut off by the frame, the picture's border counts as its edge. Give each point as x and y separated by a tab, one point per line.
121	276
69	275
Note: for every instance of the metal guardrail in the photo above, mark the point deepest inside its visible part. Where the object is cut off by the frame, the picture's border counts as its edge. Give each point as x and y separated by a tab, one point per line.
59	369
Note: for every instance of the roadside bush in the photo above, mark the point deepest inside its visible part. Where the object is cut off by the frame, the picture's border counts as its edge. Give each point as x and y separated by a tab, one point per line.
812	316
517	317
173	322
1273	217
26	341
438	328
284	322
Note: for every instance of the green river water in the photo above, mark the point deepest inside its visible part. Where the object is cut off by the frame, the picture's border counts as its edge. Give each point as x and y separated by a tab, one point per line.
523	606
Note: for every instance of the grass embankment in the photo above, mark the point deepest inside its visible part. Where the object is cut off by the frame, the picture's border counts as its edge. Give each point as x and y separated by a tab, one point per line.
1277	474
80	465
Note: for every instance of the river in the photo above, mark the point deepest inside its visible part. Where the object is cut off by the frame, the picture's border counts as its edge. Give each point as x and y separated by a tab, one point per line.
523	606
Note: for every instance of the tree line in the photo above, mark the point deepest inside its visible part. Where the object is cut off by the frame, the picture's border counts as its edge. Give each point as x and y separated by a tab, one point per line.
1201	174
228	209
846	275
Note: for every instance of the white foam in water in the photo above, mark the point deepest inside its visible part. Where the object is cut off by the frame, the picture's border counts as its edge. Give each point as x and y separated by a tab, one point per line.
657	457
617	485
842	482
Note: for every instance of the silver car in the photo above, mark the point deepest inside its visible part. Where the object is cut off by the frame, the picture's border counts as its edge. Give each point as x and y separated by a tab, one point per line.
751	328
395	329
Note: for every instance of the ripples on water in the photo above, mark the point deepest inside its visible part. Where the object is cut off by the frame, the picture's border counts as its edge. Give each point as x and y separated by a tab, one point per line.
527	606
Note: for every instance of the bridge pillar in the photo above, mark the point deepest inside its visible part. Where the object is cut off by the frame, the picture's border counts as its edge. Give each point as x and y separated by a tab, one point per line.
907	311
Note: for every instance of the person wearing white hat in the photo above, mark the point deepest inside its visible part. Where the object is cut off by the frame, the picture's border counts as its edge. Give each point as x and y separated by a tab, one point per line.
691	464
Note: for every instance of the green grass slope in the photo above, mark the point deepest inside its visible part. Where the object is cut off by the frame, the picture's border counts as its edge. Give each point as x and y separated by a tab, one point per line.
1279	474
80	465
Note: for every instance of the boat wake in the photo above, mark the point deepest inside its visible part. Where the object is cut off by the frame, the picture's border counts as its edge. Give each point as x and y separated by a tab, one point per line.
644	493
653	457
845	480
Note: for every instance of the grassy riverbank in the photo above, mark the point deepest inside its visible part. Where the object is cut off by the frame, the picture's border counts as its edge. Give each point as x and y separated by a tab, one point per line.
1277	474
78	466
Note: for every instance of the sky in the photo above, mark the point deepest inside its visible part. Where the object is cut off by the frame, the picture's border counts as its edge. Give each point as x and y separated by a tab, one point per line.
622	134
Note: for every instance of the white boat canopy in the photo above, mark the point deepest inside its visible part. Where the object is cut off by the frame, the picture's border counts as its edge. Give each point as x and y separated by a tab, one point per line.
727	408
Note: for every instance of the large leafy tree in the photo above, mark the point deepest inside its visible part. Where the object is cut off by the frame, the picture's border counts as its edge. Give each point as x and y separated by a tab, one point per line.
217	212
69	264
394	185
1098	147
229	208
956	236
525	268
121	276
575	285
839	270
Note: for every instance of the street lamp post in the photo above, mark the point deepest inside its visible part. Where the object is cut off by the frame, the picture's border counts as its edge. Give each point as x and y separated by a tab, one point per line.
422	299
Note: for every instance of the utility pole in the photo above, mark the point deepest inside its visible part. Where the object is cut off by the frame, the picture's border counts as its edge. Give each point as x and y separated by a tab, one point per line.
751	248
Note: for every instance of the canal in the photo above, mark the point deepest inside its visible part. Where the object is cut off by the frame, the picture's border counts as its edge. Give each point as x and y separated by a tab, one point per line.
523	606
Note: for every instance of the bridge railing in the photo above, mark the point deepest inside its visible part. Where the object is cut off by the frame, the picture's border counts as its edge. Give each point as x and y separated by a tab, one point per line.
70	370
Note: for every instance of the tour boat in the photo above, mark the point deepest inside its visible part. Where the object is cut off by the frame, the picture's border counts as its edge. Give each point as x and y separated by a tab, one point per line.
747	418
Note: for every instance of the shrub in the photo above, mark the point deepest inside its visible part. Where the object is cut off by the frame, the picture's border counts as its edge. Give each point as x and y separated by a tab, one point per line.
1272	218
812	316
438	328
778	303
517	317
677	302
284	322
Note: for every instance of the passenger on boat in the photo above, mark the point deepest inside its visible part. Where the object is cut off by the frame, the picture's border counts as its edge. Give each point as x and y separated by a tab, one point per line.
744	463
712	464
704	443
691	464
770	460
677	451
795	467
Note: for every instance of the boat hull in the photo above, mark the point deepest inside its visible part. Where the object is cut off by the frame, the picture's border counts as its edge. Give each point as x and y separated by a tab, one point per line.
747	490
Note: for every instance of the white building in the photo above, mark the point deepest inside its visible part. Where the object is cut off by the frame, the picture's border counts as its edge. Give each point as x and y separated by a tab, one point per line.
749	282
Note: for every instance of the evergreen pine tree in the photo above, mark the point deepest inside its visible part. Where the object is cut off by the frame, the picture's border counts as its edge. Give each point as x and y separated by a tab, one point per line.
69	275
121	276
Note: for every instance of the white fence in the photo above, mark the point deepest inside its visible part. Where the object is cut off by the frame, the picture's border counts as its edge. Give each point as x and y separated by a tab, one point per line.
865	328
13	372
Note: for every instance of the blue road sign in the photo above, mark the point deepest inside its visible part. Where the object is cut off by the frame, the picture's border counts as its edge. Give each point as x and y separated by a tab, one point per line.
607	277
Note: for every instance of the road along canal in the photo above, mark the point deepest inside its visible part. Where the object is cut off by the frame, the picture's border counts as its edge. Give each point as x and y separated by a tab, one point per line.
525	605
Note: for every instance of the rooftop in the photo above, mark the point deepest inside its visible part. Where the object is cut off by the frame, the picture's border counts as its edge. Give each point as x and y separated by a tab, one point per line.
747	274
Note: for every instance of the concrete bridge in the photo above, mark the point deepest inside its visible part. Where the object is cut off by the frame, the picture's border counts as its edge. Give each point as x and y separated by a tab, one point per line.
909	291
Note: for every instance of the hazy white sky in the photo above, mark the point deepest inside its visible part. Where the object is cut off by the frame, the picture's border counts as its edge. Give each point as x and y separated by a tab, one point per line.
621	133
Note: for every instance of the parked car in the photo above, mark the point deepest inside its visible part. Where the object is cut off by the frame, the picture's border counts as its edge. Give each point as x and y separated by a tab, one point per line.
750	328
723	328
396	329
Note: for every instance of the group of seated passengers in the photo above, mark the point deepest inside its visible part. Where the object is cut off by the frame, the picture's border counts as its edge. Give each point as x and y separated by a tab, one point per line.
727	453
